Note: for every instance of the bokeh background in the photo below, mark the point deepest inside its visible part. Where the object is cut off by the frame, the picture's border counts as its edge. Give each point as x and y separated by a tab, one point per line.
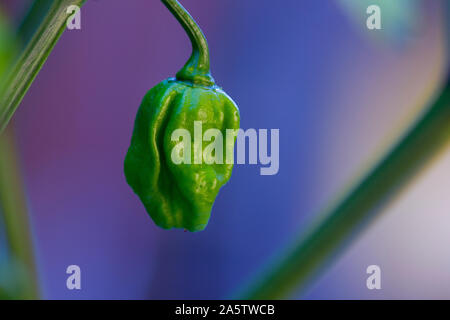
340	95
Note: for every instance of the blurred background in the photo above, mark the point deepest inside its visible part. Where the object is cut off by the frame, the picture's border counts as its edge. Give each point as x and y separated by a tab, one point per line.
339	93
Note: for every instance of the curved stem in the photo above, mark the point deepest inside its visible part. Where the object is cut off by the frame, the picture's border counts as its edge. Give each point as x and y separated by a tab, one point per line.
197	69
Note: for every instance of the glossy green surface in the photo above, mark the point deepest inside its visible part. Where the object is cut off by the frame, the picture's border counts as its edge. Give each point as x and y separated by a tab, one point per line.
181	195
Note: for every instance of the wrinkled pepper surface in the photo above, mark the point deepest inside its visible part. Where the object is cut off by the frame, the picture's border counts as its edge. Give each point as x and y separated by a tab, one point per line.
180	195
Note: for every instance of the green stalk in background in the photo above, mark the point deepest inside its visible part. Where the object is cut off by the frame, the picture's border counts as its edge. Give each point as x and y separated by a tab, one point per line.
17	271
33	57
326	239
36	14
37	36
22	270
310	255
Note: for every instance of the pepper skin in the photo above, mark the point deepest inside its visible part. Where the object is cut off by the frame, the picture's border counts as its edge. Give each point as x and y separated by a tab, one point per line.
180	195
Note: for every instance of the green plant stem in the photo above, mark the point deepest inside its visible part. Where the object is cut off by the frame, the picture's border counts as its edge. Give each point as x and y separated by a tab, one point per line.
197	69
327	239
13	205
32	59
38	34
35	15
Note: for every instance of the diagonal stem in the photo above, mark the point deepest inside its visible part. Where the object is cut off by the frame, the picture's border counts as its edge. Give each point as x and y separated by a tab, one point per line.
38	34
345	221
32	59
342	223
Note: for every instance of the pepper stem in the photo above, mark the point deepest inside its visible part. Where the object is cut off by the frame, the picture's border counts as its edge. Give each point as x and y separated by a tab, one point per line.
197	69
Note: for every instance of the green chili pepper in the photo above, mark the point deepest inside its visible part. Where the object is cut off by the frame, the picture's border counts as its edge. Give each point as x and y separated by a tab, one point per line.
181	195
